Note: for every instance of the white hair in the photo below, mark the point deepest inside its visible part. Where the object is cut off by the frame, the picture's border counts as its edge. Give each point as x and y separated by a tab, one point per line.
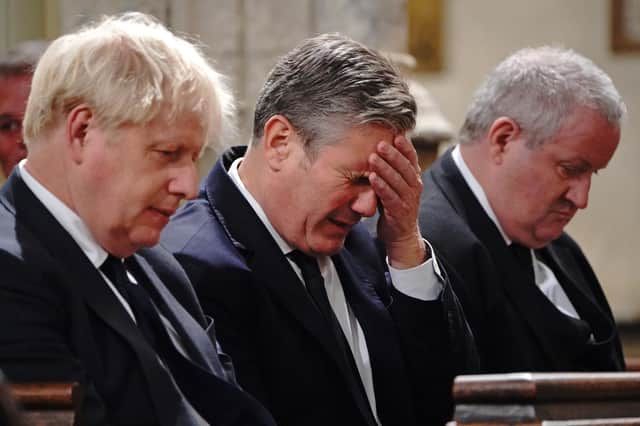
539	88
127	68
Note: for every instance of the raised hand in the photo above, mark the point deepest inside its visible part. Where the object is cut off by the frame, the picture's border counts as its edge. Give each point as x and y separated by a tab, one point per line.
395	178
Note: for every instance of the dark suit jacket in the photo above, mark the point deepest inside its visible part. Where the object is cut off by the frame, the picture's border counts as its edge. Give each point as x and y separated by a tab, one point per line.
282	349
61	322
516	327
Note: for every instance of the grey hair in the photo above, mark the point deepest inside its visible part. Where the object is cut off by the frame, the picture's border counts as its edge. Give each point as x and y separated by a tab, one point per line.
128	69
540	88
22	58
330	83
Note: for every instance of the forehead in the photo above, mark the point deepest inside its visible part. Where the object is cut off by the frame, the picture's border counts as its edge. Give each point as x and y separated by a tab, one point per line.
186	129
586	136
354	146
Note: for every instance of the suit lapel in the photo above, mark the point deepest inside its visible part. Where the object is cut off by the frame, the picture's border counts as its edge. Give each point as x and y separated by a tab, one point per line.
194	338
562	262
379	329
77	272
201	372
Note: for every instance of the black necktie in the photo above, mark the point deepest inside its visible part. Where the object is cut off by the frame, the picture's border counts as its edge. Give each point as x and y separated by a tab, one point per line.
147	317
523	258
315	287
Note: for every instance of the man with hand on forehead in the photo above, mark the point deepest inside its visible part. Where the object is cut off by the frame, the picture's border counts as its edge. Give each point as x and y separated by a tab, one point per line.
324	325
119	112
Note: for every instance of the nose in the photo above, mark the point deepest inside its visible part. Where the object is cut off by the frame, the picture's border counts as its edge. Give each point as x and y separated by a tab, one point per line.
578	192
365	203
184	183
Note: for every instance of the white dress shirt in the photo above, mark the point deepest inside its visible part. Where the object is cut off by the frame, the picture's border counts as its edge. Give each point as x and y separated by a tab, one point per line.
544	277
422	282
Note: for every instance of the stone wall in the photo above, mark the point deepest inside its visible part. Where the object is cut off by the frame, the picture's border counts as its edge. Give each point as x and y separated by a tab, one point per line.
244	38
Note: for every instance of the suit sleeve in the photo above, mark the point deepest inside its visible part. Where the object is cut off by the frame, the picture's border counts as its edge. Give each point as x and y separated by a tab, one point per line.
437	344
229	301
176	279
34	334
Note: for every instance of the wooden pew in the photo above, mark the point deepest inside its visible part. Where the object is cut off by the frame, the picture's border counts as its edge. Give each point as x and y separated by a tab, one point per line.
46	404
552	398
633	363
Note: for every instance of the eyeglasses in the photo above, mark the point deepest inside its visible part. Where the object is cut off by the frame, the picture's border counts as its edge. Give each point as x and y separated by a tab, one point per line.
10	125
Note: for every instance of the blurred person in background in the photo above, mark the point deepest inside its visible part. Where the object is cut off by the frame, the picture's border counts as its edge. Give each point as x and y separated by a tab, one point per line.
16	69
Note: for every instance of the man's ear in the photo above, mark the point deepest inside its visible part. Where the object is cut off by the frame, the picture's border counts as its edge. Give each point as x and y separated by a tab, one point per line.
502	132
78	121
279	140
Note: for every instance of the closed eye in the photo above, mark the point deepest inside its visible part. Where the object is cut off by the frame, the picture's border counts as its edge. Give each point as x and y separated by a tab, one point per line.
359	178
168	154
569	171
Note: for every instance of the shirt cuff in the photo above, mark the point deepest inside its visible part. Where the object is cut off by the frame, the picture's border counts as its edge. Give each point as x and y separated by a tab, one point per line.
422	282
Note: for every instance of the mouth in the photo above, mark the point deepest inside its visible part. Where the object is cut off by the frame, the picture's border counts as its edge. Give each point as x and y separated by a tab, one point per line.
566	211
565	215
343	224
167	212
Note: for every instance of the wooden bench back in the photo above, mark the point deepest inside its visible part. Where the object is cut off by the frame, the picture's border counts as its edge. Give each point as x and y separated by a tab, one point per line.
533	398
39	404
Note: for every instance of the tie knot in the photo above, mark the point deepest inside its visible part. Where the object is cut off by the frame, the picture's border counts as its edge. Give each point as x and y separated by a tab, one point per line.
114	269
308	265
523	256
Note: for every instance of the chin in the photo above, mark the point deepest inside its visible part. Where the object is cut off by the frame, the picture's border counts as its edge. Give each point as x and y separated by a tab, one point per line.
148	239
543	240
328	248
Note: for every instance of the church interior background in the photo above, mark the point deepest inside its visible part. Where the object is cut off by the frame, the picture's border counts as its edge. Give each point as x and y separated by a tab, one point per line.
453	43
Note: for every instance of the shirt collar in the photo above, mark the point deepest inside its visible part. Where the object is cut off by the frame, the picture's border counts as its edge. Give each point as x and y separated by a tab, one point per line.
477	190
67	218
235	177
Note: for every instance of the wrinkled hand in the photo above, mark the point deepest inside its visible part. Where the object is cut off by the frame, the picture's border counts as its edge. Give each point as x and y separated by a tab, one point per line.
395	178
